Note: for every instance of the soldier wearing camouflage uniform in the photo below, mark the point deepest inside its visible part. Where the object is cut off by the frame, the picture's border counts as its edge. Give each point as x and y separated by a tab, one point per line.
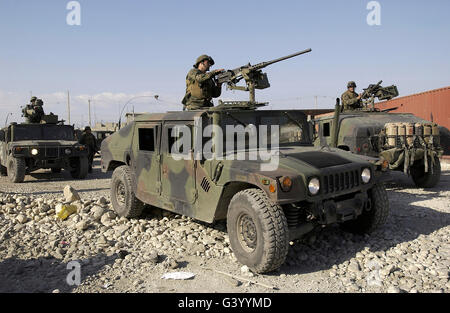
89	140
200	85
350	99
33	101
34	112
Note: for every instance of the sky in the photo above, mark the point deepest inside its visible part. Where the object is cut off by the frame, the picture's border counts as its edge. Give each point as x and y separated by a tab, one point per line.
143	48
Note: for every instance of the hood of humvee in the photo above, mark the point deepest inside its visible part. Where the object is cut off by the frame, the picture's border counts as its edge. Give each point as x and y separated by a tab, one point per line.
306	160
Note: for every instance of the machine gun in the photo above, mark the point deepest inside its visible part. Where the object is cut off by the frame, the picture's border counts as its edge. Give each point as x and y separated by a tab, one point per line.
253	76
377	91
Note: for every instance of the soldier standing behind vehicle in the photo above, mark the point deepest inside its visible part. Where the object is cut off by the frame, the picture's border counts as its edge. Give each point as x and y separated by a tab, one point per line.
350	99
88	140
200	85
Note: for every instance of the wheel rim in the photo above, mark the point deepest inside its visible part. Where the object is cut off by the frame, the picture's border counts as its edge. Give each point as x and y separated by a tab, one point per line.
247	233
120	193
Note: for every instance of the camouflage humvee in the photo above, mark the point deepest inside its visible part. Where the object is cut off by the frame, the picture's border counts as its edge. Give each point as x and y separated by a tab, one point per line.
404	141
25	148
265	208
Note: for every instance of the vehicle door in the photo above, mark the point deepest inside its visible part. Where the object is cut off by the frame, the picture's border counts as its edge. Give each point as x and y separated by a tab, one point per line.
177	162
146	161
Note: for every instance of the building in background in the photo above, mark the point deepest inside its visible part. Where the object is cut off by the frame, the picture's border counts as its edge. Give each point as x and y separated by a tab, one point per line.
103	130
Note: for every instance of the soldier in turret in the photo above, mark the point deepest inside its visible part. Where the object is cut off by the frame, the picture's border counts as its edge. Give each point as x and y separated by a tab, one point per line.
34	112
33	101
350	99
201	86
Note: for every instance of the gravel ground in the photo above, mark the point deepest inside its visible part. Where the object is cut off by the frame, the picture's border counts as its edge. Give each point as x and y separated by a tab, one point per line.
411	253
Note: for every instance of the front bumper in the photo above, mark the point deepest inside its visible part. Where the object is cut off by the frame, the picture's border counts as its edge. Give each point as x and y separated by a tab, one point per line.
49	156
326	212
338	211
49	153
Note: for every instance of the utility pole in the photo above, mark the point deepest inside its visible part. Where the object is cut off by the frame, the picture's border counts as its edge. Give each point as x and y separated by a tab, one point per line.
68	106
89	101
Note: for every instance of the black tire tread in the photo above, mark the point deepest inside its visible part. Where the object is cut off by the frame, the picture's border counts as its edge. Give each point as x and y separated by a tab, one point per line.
18	174
275	228
371	220
427	180
81	171
134	205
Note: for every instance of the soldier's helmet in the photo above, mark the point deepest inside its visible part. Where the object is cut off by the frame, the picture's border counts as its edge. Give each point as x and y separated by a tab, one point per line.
87	128
33	99
202	58
39	102
351	84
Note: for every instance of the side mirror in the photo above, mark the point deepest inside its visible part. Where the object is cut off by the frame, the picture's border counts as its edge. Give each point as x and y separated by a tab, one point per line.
2	135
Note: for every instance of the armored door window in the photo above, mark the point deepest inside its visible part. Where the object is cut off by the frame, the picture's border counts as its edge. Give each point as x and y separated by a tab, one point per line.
179	139
147	139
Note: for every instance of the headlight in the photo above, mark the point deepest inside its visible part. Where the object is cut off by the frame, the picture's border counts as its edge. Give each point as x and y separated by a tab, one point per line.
314	186
34	151
365	175
67	151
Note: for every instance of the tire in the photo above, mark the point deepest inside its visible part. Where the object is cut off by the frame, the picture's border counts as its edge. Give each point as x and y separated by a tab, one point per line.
3	171
123	198
371	220
266	245
16	168
81	169
426	180
56	170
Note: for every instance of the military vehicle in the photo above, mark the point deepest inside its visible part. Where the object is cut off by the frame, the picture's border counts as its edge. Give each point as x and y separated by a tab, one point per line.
406	142
49	144
264	206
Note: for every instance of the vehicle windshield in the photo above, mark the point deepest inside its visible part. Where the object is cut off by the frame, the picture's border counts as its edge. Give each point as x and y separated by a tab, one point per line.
293	127
43	132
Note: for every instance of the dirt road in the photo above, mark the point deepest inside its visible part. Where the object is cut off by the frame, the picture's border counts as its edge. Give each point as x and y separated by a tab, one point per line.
411	253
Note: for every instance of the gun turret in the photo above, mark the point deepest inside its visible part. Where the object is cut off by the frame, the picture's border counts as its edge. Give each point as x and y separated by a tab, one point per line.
378	91
369	91
253	76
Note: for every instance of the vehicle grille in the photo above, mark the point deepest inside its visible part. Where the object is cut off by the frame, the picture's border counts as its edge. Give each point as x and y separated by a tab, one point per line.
341	181
51	152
